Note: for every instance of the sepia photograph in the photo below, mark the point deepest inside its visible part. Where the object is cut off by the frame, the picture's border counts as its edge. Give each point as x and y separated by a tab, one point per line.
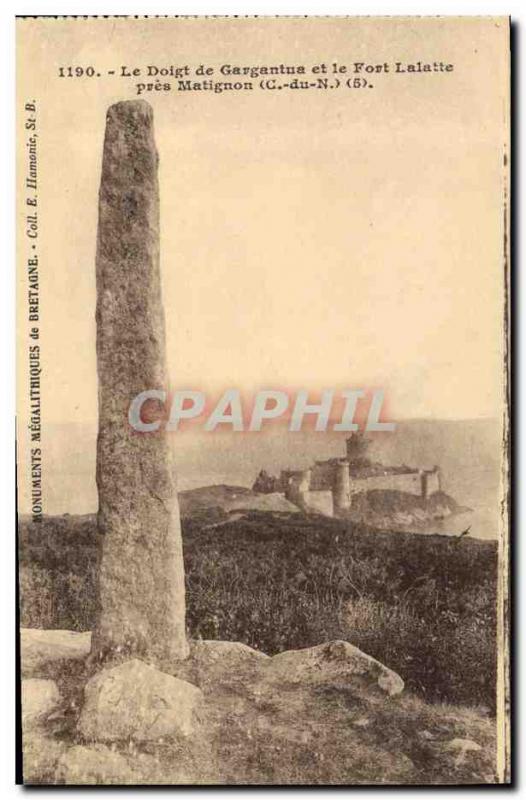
263	400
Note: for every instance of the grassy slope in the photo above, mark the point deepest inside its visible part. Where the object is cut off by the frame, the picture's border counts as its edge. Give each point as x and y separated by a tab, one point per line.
423	605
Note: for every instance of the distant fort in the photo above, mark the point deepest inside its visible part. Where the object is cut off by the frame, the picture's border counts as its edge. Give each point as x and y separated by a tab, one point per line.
327	487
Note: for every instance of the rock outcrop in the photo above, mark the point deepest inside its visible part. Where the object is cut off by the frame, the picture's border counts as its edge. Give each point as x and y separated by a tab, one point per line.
336	664
218	664
96	765
461	747
39	698
40	649
326	715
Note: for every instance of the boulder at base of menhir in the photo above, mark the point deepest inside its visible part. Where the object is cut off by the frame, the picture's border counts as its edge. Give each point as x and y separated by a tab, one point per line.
42	649
336	664
217	664
136	701
96	765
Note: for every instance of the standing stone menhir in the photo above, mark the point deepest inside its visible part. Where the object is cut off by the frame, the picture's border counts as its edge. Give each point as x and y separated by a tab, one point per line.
142	603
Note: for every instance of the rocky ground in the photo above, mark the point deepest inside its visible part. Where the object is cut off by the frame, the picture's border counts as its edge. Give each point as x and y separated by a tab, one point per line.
401	511
229	714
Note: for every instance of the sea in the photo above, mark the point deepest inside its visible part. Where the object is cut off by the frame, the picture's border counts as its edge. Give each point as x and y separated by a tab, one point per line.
468	452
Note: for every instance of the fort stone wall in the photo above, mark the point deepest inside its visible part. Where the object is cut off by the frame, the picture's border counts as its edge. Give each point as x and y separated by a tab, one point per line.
322	477
328	486
409	482
320	501
341	487
432	482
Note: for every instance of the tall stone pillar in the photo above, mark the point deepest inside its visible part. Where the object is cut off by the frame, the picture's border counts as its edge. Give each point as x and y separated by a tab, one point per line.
142	601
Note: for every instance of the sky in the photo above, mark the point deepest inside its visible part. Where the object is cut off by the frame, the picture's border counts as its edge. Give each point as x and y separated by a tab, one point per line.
348	239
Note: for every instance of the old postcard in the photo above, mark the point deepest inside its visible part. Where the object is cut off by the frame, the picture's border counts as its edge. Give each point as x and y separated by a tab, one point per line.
262	426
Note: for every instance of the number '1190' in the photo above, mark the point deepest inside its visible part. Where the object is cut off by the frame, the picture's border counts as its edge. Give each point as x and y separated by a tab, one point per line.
76	72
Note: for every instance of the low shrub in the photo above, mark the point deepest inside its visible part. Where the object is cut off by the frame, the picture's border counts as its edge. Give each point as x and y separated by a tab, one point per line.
423	605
